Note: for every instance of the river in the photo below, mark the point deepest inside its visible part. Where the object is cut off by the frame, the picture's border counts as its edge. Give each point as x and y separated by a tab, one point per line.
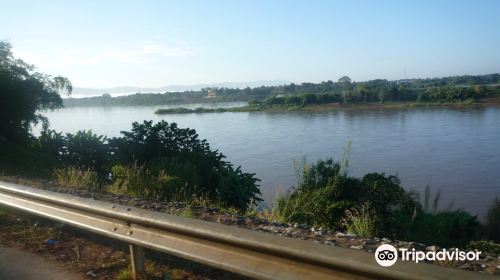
454	150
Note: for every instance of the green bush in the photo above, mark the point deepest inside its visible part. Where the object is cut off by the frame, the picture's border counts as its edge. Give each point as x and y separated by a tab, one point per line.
200	170
148	150
493	221
83	149
485	246
445	228
27	160
313	207
325	192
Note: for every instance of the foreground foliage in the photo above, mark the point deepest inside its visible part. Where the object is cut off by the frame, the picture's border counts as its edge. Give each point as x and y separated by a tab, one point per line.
156	161
23	93
376	204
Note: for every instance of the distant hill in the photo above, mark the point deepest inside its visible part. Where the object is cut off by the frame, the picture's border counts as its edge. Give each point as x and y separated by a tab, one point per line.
126	90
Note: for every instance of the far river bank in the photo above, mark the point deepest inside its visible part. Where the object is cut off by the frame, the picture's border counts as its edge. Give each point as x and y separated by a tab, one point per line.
493	101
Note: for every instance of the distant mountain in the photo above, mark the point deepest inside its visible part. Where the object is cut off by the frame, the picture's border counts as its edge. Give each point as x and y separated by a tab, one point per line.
118	91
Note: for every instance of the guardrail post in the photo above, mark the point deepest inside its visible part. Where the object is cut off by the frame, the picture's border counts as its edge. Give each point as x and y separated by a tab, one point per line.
137	261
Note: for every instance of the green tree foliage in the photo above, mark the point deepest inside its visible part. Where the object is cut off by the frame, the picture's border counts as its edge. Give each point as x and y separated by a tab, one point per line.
202	171
141	159
23	93
493	220
450	89
83	149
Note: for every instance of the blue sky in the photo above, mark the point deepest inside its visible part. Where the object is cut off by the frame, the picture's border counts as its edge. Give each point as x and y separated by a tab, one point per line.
158	43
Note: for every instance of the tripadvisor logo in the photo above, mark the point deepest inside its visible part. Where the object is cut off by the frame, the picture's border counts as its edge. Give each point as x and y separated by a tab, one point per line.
387	255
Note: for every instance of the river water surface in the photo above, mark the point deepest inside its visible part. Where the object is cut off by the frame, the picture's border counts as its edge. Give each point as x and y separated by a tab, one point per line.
454	150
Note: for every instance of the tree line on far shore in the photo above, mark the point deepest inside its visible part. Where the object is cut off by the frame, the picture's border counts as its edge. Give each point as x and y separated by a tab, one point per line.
447	89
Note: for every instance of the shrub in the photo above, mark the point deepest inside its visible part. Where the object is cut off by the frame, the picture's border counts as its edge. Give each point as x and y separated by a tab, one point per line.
485	246
193	167
74	177
325	192
445	228
83	149
87	150
493	220
200	170
27	160
312	207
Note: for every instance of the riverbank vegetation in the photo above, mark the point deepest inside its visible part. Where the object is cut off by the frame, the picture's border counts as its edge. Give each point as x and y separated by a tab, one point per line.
159	161
344	91
162	162
382	95
377	205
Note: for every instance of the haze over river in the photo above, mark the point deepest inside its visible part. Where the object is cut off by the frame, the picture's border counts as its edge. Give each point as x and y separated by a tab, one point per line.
455	150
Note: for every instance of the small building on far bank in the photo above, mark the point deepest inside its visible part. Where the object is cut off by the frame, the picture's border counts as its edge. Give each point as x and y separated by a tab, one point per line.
211	94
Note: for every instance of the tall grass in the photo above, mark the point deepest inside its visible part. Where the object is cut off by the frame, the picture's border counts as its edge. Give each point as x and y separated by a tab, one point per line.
315	184
362	223
435	201
493	221
138	180
74	177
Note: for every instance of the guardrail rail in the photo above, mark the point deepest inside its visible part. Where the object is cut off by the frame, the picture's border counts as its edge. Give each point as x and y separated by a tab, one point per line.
246	252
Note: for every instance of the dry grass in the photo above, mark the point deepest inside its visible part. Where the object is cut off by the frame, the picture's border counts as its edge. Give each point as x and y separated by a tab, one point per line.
73	177
362	223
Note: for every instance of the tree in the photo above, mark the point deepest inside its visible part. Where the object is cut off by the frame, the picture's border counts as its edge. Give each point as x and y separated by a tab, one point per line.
23	93
345	84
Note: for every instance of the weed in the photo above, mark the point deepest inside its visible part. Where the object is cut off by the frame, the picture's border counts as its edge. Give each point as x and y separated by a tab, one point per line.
73	177
362	223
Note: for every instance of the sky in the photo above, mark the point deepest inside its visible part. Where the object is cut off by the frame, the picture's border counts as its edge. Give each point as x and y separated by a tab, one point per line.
103	44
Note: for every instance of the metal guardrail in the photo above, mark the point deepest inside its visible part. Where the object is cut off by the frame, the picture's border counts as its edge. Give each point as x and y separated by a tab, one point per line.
246	252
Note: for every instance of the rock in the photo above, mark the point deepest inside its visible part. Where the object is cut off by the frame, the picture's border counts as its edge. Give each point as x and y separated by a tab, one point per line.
417	246
213	210
369	242
340	234
356	247
466	266
432	248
